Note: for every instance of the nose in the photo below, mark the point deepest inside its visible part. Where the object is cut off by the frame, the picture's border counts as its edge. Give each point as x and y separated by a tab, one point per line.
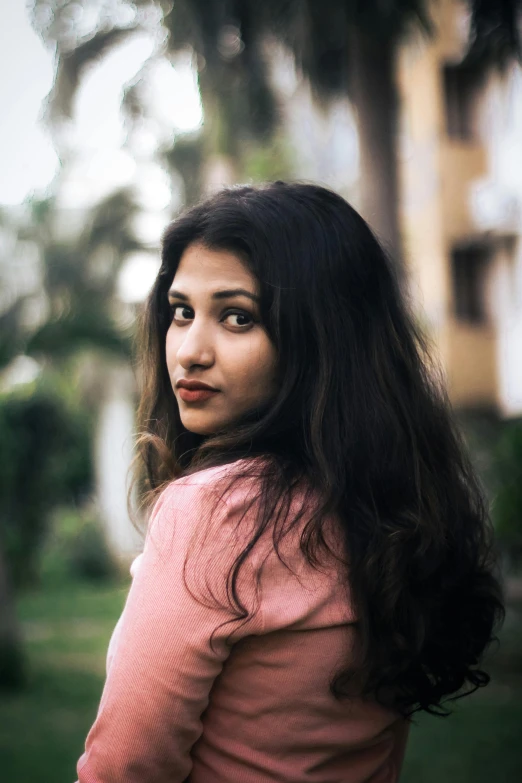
196	346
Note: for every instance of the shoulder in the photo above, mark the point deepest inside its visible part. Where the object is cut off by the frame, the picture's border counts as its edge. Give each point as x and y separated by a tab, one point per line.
243	470
232	484
210	504
199	532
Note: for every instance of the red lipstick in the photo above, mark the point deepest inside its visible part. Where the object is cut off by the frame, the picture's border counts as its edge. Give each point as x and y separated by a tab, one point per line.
195	391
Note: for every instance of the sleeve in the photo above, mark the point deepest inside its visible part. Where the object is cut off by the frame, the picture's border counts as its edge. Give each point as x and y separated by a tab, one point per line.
162	666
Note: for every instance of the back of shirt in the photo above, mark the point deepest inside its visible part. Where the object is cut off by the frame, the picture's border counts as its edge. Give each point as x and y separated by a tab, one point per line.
195	694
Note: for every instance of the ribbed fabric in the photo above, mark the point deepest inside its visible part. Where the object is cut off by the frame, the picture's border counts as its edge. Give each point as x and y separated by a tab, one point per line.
255	707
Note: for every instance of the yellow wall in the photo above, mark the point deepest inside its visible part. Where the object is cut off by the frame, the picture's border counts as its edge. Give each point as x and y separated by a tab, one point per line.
461	163
471	364
436	174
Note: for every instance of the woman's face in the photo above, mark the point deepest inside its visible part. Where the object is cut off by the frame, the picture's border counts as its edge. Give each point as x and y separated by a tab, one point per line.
215	337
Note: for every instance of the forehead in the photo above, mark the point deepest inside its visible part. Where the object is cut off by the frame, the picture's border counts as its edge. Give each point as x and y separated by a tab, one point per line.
206	268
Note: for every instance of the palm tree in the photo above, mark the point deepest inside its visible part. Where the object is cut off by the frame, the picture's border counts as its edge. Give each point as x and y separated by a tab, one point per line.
80	277
344	47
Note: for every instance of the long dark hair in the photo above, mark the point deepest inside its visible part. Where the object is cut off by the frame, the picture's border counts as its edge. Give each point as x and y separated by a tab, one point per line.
361	416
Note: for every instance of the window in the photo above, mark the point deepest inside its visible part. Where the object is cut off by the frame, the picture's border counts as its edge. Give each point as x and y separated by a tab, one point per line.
469	268
461	87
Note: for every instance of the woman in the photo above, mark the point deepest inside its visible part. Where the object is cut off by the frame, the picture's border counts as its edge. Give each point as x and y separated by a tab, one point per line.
318	563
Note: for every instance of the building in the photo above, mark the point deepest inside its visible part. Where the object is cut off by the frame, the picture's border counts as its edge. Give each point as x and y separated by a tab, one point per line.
461	170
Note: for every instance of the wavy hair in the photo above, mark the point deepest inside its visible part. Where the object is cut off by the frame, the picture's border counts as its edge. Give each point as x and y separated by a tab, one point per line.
361	416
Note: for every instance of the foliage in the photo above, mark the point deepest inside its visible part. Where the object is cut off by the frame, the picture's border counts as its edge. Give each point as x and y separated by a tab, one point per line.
89	555
13	663
495	447
187	156
228	38
336	44
270	161
67	304
44	460
481	430
11	341
495	32
80	277
81	327
76	549
46	431
67	630
507	506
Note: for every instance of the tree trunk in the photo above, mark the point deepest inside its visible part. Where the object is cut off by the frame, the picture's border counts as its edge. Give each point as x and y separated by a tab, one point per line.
374	95
12	661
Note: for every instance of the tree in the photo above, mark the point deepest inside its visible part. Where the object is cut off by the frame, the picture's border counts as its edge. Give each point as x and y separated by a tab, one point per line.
80	272
79	314
345	47
45	461
12	659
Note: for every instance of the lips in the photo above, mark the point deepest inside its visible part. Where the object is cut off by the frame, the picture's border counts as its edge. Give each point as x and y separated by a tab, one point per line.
196	395
195	385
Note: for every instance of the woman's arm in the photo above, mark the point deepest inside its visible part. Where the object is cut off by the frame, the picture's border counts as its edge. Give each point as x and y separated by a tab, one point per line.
162	667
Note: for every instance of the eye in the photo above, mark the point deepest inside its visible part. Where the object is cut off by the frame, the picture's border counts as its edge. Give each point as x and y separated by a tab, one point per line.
174	307
182	314
241	315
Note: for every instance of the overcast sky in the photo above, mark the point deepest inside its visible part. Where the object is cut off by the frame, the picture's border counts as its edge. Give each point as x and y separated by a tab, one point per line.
27	158
101	162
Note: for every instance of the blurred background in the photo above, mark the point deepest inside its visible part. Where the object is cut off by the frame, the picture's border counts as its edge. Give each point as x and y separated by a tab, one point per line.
114	116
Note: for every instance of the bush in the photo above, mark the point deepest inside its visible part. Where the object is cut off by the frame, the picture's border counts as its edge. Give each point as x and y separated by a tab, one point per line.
76	548
89	555
495	446
507	503
45	460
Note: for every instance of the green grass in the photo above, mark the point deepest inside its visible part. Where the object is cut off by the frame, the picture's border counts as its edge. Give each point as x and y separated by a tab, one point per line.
482	740
479	742
67	629
43	729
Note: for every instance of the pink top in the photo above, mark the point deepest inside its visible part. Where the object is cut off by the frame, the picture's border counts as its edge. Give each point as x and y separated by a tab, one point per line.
251	710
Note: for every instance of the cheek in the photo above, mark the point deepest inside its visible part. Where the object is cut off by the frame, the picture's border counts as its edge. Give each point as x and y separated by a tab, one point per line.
171	348
258	367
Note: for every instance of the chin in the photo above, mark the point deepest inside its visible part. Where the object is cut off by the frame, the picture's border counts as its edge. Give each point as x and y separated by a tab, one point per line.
198	430
198	427
203	427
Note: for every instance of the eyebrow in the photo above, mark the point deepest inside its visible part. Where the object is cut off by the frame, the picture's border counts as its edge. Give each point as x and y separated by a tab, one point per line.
225	294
